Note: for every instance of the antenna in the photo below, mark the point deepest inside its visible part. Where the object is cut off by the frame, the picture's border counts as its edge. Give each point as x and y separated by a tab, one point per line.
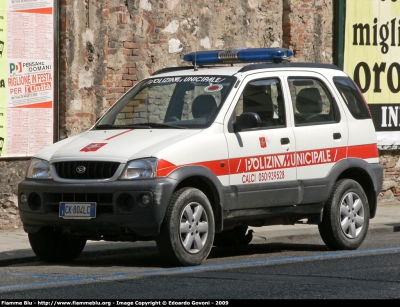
196	68
195	65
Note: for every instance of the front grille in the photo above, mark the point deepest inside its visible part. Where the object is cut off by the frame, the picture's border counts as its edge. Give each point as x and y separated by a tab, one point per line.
92	169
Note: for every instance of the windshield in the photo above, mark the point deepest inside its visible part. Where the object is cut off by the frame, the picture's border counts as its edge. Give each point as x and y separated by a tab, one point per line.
189	102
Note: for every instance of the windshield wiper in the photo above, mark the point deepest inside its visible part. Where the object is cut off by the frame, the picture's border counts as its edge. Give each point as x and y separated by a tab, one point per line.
155	125
138	126
107	126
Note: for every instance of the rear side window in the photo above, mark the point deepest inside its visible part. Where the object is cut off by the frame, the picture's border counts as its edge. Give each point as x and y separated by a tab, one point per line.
312	102
352	97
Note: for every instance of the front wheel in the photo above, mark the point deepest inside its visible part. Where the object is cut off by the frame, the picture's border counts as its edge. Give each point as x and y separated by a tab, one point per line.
345	219
187	233
54	246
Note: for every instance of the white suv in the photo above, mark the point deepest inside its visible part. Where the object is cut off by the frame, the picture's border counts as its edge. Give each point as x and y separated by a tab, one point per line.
192	156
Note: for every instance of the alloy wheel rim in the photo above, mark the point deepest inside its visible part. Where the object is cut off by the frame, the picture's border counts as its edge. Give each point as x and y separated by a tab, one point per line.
351	215
193	227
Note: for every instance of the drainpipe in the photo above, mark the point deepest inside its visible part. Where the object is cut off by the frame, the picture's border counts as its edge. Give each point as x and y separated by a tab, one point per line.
339	20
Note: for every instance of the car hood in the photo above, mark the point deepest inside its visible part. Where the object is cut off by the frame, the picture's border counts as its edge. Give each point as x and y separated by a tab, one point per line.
114	145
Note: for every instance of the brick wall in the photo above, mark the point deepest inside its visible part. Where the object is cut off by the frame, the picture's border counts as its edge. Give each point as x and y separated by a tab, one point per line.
308	29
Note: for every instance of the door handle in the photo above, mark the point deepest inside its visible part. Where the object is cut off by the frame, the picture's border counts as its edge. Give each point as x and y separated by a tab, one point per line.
337	136
285	141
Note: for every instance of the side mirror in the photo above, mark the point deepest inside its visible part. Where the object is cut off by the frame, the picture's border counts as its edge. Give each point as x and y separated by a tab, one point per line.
247	120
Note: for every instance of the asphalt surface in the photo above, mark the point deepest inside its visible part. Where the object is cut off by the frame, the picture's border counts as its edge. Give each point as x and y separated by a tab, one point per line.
15	247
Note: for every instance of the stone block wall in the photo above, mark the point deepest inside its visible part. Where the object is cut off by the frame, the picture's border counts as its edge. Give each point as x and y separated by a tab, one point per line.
106	46
390	160
12	172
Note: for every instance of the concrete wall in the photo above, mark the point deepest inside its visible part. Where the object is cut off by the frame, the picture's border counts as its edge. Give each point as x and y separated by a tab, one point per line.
108	45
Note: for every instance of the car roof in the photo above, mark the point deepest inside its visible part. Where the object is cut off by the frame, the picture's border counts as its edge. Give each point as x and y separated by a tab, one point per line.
191	70
228	70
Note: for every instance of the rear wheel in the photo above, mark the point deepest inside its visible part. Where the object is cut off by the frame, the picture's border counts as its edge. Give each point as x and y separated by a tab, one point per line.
187	232
345	219
54	246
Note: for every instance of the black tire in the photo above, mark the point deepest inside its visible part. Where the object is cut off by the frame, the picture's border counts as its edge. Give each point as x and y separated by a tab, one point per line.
54	246
345	218
232	237
187	233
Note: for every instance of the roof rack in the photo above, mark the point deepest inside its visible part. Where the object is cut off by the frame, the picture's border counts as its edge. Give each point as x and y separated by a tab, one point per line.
288	64
171	69
251	66
177	68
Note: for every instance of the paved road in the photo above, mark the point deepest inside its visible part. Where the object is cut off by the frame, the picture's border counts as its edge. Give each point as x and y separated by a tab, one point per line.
14	244
294	266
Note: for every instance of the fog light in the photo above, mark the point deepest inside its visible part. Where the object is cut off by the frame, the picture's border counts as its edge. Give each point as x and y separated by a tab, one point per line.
34	201
23	198
146	200
125	202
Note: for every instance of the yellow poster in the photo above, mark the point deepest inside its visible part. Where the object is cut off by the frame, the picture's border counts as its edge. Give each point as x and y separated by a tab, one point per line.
371	58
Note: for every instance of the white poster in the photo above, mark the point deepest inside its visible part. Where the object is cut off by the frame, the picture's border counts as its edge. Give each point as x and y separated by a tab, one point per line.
27	63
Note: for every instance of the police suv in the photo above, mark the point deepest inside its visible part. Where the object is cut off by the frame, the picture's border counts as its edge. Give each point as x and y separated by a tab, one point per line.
193	156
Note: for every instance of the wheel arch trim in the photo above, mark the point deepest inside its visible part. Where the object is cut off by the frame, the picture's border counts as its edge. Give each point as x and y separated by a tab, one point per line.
186	173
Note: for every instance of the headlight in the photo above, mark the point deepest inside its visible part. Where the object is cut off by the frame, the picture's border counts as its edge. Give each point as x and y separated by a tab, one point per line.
142	168
39	169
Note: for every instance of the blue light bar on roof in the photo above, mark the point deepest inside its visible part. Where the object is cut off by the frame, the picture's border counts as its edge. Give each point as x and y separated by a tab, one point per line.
238	55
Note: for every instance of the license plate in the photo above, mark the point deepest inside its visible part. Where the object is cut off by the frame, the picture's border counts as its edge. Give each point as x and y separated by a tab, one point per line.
78	210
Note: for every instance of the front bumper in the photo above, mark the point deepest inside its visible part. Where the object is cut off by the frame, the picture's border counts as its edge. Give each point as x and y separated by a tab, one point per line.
120	213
